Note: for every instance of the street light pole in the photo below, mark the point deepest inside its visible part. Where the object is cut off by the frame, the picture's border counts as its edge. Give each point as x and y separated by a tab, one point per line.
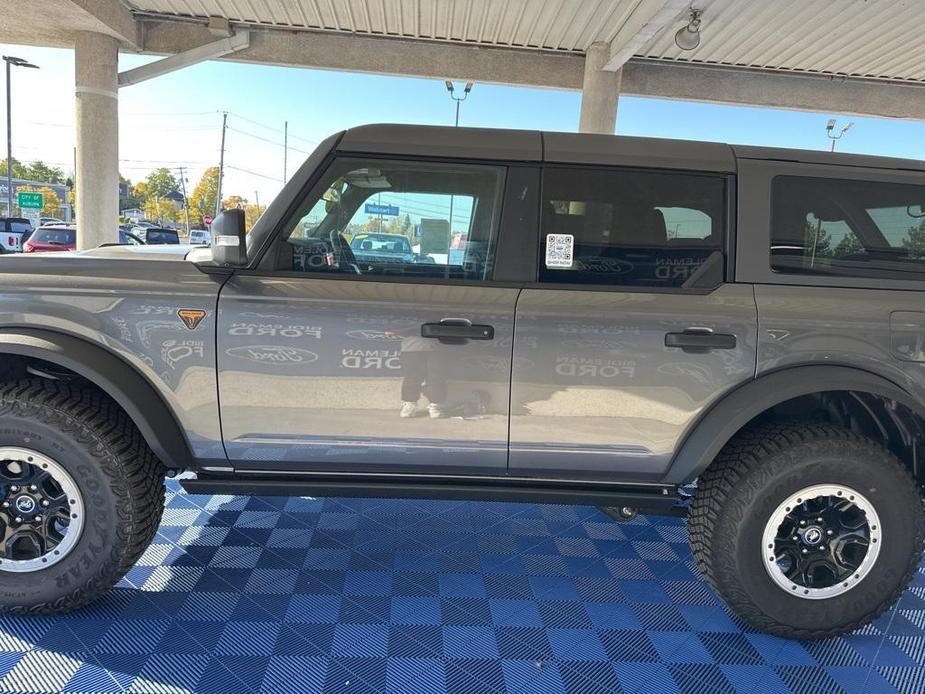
829	131
458	99
18	62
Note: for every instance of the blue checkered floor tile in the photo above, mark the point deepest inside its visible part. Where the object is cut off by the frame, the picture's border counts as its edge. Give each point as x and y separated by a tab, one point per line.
368	595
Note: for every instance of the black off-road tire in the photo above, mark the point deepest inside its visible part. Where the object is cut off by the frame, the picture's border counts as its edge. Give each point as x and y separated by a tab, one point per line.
119	478
752	476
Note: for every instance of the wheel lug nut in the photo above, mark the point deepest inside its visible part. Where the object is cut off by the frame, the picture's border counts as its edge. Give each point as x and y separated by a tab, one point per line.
805	551
795	538
45	503
14	489
38	519
18	519
803	522
818	520
6	504
33	488
829	532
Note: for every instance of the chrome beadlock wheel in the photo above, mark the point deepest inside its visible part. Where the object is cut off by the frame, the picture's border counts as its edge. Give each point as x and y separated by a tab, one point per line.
821	541
41	511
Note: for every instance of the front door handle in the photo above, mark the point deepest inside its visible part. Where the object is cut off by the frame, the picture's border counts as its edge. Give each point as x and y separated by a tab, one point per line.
694	341
456	331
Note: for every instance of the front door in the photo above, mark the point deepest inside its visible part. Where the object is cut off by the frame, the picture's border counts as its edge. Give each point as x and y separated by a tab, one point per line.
632	330
372	337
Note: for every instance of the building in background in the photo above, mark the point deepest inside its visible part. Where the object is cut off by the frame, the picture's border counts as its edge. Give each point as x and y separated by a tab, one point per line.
59	207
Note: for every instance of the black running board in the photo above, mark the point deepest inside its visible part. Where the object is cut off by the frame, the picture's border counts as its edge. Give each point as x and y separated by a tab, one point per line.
653	499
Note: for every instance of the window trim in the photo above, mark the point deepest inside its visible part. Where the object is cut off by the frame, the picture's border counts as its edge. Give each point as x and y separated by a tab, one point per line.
264	254
727	229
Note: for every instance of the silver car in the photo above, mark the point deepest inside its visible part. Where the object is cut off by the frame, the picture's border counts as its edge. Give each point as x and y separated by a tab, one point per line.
733	334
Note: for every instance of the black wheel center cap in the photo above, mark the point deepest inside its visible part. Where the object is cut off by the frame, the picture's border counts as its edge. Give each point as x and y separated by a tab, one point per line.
813	535
24	504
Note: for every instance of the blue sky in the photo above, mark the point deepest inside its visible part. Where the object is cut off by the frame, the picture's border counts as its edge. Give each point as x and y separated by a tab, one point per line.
174	120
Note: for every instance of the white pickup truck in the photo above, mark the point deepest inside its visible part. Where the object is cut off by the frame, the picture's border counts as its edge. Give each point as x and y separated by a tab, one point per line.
12	230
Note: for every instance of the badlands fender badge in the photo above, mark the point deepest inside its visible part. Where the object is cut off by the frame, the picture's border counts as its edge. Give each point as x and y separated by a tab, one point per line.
191	317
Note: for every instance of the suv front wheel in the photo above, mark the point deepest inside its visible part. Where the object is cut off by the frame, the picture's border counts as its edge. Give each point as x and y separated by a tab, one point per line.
807	531
81	495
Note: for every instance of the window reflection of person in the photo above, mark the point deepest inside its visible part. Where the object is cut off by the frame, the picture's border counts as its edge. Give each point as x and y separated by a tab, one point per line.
422	373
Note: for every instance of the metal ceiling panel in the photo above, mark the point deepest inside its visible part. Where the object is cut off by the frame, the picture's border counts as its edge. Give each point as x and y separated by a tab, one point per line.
877	39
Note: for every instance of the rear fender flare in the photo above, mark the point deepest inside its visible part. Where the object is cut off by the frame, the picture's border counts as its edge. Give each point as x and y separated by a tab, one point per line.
723	420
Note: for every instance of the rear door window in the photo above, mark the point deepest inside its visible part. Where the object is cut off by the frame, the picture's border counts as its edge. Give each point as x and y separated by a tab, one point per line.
847	228
632	228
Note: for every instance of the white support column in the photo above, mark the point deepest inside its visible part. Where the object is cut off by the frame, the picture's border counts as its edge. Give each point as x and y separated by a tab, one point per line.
96	57
599	92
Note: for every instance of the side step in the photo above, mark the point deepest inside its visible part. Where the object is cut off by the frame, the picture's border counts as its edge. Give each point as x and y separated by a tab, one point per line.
652	499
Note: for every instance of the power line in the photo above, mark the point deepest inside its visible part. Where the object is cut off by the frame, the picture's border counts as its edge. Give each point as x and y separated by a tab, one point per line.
264	139
273	128
253	173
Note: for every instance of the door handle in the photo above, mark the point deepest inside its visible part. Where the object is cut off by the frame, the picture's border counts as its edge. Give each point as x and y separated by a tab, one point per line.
455	331
700	341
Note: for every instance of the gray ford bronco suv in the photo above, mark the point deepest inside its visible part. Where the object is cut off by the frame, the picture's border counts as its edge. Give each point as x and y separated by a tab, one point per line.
733	333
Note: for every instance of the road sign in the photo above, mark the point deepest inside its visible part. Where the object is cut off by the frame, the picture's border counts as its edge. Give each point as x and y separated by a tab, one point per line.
30	201
207	219
386	210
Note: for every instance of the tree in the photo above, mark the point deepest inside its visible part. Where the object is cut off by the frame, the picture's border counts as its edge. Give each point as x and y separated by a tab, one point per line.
202	199
251	212
849	245
40	171
159	209
51	205
915	243
160	182
19	171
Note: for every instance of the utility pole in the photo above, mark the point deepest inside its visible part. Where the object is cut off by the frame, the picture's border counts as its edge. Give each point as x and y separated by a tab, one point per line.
285	150
257	198
185	199
221	166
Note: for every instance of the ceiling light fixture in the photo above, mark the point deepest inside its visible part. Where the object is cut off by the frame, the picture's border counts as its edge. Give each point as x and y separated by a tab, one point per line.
687	37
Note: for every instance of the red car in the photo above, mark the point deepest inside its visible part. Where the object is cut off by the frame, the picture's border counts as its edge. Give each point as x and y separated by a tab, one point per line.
53	237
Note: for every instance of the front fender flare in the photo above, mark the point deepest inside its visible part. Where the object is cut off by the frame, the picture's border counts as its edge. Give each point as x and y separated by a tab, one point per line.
121	381
723	420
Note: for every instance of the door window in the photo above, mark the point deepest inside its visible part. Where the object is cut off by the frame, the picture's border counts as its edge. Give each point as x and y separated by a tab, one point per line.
632	228
393	218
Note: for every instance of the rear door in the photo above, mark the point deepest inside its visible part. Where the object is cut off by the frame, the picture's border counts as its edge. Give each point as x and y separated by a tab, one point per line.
333	357
632	329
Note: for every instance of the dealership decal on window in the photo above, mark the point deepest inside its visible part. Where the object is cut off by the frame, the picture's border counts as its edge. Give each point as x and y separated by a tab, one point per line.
559	250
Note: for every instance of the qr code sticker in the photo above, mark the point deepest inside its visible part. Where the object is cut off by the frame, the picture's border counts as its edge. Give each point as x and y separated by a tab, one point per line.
559	250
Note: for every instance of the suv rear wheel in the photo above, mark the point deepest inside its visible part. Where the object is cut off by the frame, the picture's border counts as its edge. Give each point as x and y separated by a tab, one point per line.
807	531
81	495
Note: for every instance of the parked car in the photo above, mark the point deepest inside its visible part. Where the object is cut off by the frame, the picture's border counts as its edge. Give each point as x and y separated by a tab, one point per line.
199	237
50	220
734	334
51	237
11	233
127	238
380	247
153	236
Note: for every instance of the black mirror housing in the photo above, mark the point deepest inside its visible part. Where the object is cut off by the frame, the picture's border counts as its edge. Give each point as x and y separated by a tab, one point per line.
229	239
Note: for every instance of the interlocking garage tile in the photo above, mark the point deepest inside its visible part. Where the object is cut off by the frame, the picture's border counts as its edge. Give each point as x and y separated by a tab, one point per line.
417	597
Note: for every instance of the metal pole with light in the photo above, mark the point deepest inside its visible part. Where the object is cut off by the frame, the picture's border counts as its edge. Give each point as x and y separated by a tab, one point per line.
18	62
458	99
829	131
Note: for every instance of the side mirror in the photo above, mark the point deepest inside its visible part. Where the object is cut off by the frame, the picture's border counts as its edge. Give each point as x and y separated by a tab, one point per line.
229	239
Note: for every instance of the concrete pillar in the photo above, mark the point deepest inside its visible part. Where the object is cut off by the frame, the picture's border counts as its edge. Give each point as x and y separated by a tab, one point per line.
599	92
96	57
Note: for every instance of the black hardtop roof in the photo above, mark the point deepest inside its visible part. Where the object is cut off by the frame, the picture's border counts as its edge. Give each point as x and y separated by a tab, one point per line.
492	144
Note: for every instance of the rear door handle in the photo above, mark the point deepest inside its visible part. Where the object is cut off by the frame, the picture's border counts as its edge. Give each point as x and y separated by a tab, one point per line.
696	341
455	331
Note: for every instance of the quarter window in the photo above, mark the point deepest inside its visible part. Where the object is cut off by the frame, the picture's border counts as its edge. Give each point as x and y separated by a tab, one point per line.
847	228
632	228
393	218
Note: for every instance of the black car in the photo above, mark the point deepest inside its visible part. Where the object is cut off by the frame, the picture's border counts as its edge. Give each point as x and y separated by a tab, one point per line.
154	236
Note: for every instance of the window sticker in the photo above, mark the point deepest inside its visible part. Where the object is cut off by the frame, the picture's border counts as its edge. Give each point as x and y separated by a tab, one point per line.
560	249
